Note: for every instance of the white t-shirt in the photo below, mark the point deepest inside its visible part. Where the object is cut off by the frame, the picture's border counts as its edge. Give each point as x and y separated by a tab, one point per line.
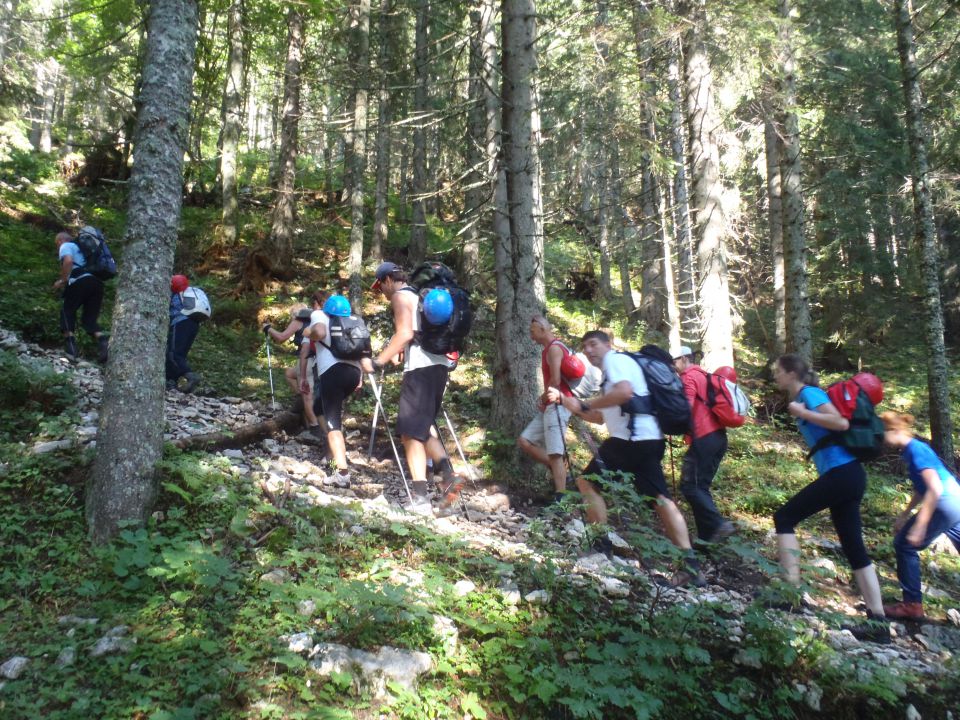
616	368
73	250
325	358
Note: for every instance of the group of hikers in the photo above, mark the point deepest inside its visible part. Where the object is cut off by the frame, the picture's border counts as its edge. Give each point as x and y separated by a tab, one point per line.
622	399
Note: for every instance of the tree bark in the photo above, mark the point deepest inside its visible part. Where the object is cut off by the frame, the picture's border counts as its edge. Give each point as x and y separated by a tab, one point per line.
775	223
122	485
799	336
285	207
418	227
941	425
384	121
520	285
714	296
360	24
232	118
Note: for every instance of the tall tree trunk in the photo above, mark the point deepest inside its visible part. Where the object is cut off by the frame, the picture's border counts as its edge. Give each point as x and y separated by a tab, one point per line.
122	485
360	22
384	121
232	119
48	76
799	336
622	248
941	425
714	297
328	143
285	207
418	227
520	284
682	229
775	221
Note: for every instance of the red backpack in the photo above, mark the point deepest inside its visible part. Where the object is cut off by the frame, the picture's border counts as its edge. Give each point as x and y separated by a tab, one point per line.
726	400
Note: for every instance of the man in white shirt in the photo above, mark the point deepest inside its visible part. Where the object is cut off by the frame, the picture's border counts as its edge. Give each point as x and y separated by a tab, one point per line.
635	445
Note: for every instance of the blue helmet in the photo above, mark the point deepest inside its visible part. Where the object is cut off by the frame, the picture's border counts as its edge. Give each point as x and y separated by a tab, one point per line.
337	306
438	306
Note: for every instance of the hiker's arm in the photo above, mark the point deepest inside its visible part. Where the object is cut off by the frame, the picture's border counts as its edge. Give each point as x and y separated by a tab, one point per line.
304	354
826	415
403	329
620	393
907	512
554	358
287	333
929	505
318	332
66	267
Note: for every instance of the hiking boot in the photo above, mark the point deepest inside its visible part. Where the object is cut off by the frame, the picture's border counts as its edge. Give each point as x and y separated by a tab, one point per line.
449	492
603	545
723	532
688	576
905	611
171	385
103	348
874	629
315	431
341	479
192	381
70	349
421	506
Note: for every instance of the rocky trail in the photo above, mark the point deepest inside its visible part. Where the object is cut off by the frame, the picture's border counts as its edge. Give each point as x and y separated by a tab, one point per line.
288	468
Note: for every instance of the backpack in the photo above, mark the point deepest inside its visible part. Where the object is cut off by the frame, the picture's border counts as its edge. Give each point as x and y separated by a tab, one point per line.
348	338
580	375
98	261
196	304
666	401
864	438
727	401
452	335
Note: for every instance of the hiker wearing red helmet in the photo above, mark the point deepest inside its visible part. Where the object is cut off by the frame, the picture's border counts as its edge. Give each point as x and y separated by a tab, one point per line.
708	445
184	325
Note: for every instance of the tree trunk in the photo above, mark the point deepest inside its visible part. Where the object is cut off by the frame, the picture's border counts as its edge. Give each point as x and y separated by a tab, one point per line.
714	297
232	118
48	76
941	425
799	338
360	23
520	286
623	249
418	227
682	232
122	484
285	208
384	121
775	222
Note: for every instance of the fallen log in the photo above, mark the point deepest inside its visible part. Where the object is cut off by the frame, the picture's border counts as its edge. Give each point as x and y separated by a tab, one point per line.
242	436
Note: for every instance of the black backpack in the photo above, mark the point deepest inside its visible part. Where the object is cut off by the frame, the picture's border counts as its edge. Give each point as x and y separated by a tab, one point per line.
98	260
348	338
452	335
666	401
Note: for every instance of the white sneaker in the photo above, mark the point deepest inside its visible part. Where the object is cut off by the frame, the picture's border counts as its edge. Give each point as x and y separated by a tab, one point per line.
421	506
341	479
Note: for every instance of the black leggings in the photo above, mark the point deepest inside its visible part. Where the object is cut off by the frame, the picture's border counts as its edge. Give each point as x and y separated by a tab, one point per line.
840	489
87	293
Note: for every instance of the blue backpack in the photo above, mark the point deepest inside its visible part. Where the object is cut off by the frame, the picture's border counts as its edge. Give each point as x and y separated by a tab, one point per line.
98	261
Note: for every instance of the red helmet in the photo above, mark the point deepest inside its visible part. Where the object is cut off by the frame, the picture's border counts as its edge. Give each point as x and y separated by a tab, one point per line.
871	386
726	372
179	283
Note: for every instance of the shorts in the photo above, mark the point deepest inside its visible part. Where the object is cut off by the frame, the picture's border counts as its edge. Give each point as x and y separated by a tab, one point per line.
547	429
420	396
336	384
639	459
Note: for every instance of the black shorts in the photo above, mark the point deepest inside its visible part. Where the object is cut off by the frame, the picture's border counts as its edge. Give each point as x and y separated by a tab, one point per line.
640	459
420	398
334	386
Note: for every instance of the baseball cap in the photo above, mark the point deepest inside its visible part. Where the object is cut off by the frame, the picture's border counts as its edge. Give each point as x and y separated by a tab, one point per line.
682	351
384	269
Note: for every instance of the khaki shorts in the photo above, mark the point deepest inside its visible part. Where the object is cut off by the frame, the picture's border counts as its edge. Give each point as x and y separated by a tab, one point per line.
547	429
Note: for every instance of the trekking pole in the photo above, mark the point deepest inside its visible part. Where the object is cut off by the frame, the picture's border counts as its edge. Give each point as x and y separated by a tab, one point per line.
273	399
471	470
386	424
373	426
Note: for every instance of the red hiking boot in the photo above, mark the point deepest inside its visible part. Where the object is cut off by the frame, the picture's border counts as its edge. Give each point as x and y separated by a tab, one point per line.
904	611
449	494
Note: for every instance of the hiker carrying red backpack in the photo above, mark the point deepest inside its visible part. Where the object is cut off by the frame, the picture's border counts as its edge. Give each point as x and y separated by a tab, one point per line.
708	445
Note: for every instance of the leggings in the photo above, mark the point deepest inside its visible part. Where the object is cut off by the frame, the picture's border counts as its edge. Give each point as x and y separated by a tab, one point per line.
840	489
86	293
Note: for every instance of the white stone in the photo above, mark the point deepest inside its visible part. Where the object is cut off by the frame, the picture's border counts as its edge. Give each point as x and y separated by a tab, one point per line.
277	576
233	453
306	608
913	713
954	616
112	644
537	597
76	620
464	587
12	668
614	587
299	642
66	657
372	670
51	446
575	528
445	629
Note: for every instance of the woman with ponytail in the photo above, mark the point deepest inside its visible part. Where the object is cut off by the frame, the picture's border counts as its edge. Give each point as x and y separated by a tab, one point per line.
937	493
839	486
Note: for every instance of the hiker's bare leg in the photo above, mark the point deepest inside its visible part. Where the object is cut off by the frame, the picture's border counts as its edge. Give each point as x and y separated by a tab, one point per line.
596	508
673	522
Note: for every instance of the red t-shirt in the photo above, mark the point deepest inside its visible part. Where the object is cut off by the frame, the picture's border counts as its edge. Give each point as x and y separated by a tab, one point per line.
545	367
702	419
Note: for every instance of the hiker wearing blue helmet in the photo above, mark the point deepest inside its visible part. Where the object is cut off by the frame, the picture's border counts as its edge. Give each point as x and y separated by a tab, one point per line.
81	291
337	378
424	381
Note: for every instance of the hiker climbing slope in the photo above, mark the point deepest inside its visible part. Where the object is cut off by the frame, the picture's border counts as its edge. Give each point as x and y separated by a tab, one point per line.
937	494
840	486
421	392
635	445
189	307
82	291
708	445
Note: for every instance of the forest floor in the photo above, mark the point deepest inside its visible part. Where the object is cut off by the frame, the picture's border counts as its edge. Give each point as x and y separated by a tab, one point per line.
261	590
